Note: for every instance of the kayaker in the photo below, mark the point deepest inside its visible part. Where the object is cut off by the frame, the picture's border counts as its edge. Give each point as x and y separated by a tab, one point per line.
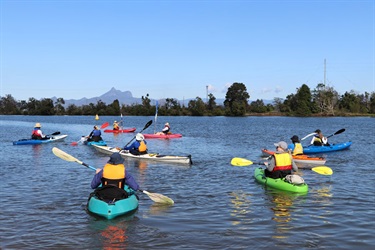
116	125
166	130
139	146
318	139
37	133
297	146
114	174
281	163
95	135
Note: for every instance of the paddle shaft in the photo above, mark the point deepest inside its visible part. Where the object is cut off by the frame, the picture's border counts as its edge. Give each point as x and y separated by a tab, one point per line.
146	126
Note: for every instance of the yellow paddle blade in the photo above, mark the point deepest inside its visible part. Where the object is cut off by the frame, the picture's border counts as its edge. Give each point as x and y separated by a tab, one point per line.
240	162
159	198
324	170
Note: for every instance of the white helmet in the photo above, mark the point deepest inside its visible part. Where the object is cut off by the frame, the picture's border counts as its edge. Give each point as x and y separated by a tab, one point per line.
139	137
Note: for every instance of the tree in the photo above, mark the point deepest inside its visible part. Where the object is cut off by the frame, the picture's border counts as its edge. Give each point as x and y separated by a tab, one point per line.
59	108
211	104
8	106
197	107
258	106
325	99
236	100
302	105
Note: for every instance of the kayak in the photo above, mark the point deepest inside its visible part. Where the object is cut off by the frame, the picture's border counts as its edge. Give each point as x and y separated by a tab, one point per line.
149	156
128	130
300	158
163	136
110	210
280	183
53	138
325	149
91	143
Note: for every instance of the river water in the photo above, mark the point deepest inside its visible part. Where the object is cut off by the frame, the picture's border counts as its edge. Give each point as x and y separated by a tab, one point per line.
217	206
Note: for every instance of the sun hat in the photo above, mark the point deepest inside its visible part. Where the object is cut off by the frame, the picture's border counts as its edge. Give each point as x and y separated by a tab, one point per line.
139	137
115	159
167	124
295	138
281	144
37	125
115	121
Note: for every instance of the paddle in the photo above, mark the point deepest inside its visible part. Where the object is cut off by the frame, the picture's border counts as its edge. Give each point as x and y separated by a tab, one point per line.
336	133
104	125
241	162
159	198
55	133
146	126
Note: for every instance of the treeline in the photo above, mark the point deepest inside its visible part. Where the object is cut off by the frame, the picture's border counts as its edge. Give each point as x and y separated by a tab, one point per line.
321	101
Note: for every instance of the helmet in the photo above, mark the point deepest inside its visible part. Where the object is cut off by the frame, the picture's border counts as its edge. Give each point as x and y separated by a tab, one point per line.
37	125
139	137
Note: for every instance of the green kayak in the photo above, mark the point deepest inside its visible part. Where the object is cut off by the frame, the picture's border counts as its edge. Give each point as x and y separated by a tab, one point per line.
280	184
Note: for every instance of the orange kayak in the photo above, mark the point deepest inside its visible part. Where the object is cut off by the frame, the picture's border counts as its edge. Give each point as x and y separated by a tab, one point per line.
300	158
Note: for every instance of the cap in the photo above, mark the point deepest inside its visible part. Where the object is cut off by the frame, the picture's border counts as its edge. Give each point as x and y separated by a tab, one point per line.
139	137
295	138
281	144
115	159
166	124
318	131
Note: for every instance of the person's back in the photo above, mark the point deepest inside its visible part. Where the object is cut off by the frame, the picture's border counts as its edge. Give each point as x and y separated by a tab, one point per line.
298	148
95	135
37	133
281	163
139	146
116	125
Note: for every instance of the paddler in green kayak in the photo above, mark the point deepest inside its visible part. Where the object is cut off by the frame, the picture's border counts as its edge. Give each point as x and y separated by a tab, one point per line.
281	163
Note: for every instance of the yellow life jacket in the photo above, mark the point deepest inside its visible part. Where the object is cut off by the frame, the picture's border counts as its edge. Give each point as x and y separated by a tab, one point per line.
142	147
283	162
114	175
298	149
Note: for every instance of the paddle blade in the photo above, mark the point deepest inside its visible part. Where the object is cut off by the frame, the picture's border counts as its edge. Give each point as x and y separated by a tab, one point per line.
65	156
240	162
324	170
147	124
308	136
56	133
74	143
159	198
104	125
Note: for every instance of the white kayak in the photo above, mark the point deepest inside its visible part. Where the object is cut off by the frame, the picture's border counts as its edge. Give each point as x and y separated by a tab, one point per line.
150	156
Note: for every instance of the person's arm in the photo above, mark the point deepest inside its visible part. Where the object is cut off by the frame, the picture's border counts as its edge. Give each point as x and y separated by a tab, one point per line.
130	181
271	164
129	147
97	180
294	166
325	140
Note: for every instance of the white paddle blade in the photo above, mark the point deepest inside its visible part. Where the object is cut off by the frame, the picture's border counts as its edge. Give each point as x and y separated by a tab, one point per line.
159	198
65	156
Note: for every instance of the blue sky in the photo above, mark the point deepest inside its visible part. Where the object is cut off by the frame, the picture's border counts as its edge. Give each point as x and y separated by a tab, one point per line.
174	49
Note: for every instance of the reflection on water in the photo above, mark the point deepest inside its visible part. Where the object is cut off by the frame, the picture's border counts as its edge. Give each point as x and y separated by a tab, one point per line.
282	205
241	206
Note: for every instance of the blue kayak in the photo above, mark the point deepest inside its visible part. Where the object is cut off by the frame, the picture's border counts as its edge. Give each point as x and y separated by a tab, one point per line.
110	209
36	142
325	149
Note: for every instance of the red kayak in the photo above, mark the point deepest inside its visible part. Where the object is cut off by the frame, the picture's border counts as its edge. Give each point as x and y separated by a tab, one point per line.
300	158
163	136
128	130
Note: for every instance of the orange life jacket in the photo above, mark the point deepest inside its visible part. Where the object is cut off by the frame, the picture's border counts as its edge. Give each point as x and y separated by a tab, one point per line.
142	147
283	162
114	175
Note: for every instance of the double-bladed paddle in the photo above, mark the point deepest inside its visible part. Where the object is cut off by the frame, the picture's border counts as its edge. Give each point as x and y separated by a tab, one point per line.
241	162
146	126
336	133
159	198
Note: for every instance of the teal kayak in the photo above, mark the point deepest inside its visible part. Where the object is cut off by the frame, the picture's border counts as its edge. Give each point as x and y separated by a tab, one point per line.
98	143
110	210
280	184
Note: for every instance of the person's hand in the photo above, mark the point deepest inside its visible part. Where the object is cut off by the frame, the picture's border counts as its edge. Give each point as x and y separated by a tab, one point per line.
118	148
266	164
97	170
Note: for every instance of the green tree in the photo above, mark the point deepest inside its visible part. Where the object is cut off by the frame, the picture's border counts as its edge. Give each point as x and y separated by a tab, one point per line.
197	107
8	106
59	108
258	106
302	105
236	100
325	98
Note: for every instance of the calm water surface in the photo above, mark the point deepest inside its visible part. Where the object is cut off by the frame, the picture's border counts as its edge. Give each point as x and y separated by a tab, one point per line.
217	206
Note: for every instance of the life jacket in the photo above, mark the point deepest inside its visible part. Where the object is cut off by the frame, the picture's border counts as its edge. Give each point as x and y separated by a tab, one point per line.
298	149
35	134
283	162
115	126
317	141
96	132
114	175
142	147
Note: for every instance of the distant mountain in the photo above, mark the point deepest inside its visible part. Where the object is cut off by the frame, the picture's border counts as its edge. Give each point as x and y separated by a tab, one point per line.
126	98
